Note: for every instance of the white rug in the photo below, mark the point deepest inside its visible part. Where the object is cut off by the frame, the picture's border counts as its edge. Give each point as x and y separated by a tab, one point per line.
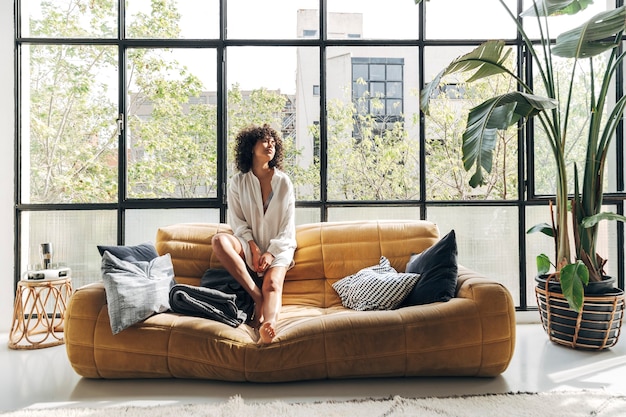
554	404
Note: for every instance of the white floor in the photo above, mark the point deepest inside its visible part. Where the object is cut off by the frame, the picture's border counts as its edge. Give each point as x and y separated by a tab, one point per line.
43	378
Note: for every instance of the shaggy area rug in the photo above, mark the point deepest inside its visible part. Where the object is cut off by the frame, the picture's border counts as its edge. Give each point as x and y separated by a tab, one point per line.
570	404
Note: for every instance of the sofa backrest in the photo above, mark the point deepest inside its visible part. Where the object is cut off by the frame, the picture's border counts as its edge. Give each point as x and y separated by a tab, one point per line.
326	252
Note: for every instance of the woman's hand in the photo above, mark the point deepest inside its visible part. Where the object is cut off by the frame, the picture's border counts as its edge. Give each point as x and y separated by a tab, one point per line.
265	261
262	261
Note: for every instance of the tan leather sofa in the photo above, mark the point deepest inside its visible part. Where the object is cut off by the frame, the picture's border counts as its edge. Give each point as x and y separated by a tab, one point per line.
471	335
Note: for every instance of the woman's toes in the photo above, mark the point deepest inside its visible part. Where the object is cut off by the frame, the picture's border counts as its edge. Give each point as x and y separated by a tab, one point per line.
267	332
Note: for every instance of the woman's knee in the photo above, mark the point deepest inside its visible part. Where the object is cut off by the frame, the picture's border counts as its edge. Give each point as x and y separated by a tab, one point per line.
220	242
273	280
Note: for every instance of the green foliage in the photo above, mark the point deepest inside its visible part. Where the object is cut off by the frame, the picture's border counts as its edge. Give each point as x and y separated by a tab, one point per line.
448	110
573	277
602	33
368	163
72	138
544	228
172	141
543	264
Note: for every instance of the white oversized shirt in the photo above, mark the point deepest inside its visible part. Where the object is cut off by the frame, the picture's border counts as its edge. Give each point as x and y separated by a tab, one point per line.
274	230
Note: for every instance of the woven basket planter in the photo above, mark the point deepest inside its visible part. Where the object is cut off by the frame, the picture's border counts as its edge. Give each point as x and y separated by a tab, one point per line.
597	326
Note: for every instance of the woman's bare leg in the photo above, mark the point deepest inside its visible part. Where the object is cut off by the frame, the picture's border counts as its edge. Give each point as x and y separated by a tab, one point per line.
228	250
272	302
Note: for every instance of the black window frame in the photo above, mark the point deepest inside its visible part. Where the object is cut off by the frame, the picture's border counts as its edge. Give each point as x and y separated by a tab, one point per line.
527	196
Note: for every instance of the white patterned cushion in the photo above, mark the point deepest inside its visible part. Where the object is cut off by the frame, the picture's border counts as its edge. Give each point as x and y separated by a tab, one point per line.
379	287
136	290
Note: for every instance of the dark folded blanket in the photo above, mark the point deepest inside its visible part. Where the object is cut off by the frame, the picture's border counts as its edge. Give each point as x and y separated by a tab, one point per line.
206	302
219	297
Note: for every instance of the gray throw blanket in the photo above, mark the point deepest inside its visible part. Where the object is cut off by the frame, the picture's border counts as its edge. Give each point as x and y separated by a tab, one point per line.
219	297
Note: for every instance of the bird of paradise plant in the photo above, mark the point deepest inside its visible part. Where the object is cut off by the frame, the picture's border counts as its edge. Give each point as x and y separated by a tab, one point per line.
602	34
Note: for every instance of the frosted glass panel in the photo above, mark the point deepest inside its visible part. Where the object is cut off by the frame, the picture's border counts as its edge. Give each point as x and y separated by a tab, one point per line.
487	240
373	213
538	243
307	215
142	225
74	236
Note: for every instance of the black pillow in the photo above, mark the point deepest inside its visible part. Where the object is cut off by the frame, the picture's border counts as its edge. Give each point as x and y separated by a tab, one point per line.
143	252
438	271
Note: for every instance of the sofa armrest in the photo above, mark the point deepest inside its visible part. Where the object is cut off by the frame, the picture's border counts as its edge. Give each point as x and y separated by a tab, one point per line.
84	308
489	294
496	310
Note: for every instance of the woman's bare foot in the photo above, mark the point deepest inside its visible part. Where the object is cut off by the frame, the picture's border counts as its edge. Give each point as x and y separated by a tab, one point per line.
267	333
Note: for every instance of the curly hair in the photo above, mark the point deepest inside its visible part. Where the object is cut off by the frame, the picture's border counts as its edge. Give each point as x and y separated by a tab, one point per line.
248	137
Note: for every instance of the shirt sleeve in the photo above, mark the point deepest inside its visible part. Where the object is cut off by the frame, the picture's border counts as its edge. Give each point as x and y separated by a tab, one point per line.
283	245
237	218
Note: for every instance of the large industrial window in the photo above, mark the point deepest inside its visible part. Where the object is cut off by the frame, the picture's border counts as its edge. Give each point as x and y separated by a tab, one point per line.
127	111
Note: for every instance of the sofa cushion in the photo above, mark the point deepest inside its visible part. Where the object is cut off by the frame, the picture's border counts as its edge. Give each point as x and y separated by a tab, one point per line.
438	271
379	287
142	252
136	290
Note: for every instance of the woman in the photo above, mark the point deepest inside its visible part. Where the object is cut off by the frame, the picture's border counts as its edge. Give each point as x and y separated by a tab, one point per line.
261	205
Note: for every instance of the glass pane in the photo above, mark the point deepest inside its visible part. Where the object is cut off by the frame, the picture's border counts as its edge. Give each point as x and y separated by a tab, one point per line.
393	89
172	120
560	24
487	240
449	19
370	19
283	96
74	236
360	71
182	19
538	243
68	124
377	72
373	145
336	214
577	128
142	225
446	177
272	19
394	72
306	215
68	19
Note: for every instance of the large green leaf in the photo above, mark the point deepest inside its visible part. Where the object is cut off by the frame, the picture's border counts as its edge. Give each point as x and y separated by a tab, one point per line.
596	218
543	264
483	122
597	35
486	60
544	228
574	277
556	7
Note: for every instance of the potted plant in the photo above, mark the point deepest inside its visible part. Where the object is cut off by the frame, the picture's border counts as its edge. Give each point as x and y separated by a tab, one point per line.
602	34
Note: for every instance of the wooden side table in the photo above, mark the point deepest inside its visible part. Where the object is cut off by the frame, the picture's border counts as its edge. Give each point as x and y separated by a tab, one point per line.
39	313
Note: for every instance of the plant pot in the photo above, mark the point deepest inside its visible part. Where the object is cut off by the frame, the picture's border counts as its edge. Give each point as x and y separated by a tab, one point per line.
593	287
598	324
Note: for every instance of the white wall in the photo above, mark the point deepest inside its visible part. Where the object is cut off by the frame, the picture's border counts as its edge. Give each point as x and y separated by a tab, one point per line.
7	138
